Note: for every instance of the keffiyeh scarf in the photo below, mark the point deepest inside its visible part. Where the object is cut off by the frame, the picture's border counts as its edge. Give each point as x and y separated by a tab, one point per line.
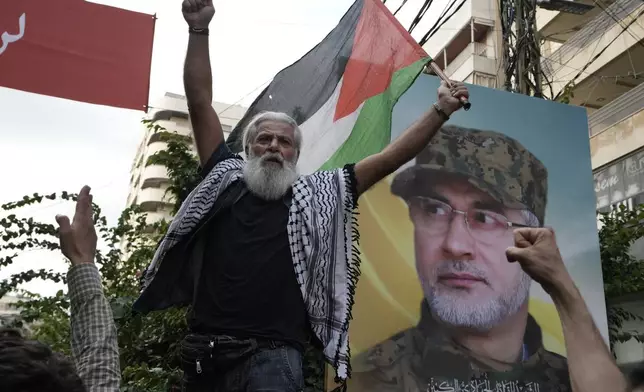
323	235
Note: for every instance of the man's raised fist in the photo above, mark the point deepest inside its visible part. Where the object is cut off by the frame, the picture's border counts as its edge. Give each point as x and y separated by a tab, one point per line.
198	13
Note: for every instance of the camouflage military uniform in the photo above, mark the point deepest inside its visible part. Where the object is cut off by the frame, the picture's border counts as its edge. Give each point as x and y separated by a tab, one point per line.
423	358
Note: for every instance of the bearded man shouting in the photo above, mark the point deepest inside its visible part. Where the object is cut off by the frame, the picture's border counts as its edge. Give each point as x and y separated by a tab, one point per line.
262	254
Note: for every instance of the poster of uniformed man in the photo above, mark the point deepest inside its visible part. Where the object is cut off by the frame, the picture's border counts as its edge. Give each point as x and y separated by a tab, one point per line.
438	306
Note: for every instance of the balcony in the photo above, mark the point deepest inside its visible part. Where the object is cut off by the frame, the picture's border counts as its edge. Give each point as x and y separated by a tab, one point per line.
471	23
561	26
153	199
617	51
476	57
154	173
157	216
617	129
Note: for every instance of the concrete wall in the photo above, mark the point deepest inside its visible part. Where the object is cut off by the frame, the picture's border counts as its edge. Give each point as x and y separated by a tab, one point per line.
617	140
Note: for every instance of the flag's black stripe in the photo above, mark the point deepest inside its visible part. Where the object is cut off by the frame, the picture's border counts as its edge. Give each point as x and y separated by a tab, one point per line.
301	89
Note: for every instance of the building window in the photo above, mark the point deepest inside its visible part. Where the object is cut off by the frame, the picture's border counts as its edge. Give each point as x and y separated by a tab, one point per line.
485	80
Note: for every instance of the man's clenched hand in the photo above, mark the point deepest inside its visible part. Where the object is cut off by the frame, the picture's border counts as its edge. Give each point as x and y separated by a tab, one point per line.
537	251
78	239
198	13
449	98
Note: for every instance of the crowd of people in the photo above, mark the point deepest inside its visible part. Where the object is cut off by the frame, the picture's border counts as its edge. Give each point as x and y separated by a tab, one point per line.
262	257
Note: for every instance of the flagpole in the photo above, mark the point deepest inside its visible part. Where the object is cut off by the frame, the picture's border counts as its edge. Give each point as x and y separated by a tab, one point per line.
439	72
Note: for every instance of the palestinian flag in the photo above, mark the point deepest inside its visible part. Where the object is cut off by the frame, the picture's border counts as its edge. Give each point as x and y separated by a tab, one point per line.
343	91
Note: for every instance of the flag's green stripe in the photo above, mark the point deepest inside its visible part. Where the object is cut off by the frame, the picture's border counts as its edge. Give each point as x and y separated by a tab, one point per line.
372	130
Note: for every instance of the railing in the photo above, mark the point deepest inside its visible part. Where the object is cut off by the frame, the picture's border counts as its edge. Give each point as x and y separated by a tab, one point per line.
472	49
618	11
623	107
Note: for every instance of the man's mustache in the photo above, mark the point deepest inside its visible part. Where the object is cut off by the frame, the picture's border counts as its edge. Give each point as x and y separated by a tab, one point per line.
460	267
272	156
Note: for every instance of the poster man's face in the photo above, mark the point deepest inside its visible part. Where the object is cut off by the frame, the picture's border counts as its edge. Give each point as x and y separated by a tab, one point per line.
461	235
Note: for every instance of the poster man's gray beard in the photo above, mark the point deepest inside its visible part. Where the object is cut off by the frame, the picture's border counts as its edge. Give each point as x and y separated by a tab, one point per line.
269	181
461	311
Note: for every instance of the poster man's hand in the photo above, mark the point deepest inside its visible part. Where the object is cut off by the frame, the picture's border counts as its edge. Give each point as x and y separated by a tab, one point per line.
537	251
198	13
78	239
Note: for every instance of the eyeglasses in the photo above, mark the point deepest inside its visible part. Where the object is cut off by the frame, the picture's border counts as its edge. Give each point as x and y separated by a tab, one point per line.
435	217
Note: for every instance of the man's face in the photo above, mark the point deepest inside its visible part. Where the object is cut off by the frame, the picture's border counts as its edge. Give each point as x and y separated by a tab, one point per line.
462	267
275	139
271	168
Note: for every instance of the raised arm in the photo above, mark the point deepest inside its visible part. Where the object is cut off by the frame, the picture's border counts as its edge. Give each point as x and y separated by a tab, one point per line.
405	148
197	79
94	336
590	363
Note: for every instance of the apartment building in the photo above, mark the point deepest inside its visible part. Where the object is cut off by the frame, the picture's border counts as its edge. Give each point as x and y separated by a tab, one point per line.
469	46
148	184
602	52
8	311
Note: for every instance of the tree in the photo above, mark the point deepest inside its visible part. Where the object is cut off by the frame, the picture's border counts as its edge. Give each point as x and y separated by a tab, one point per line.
148	344
623	272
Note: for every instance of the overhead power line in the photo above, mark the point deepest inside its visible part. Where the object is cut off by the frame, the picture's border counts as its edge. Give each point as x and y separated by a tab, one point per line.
437	26
400	7
592	60
604	8
420	15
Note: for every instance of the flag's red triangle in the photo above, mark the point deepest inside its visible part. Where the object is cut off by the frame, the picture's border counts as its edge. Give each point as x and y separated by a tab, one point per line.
381	47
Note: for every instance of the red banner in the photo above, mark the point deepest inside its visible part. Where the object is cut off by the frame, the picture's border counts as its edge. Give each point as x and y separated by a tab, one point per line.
77	50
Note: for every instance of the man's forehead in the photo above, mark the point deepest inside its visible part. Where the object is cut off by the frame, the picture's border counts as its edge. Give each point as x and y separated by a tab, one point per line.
277	127
460	188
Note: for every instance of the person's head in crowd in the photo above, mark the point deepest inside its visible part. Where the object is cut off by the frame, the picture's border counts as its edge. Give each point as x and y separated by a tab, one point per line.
272	143
31	366
466	192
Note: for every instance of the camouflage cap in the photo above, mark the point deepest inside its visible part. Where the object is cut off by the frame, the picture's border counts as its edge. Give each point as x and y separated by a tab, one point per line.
491	161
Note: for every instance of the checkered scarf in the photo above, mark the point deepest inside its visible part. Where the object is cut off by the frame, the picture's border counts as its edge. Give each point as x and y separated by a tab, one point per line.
321	230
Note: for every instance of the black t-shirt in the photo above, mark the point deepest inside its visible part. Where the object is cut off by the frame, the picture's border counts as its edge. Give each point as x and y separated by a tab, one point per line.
247	285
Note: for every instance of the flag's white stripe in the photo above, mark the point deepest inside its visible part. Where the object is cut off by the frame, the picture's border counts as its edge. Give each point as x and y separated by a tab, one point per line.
321	136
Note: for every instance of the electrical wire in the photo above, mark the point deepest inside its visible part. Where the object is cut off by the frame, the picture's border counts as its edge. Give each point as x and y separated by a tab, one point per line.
432	31
246	96
420	15
603	50
448	6
618	21
441	18
400	7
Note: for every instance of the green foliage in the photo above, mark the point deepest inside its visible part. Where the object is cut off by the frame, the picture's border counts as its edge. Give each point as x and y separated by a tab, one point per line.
623	273
183	168
148	344
567	94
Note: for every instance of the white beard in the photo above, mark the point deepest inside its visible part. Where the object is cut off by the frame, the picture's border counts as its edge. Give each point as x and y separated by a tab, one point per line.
269	180
463	310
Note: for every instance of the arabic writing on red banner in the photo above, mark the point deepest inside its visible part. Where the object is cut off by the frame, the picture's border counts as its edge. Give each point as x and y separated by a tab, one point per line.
77	50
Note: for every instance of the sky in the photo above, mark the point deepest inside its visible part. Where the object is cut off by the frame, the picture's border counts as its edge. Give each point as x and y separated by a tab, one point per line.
49	144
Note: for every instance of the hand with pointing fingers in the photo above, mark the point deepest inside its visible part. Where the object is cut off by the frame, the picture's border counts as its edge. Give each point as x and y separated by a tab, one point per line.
198	13
78	239
537	251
